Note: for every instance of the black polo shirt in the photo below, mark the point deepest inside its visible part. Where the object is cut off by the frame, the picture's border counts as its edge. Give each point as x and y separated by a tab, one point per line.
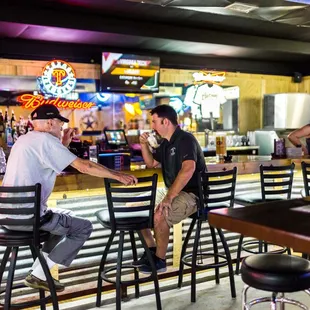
171	154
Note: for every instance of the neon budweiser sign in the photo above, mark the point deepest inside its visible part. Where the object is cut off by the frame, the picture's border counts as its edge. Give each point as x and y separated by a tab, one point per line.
33	101
57	81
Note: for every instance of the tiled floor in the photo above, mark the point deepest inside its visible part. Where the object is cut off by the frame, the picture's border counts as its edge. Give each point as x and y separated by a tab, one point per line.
209	297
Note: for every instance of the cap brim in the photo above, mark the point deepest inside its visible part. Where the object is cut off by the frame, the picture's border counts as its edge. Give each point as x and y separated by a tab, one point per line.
62	118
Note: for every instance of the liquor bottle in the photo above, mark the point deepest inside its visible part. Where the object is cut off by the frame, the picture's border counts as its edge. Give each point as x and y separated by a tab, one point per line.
13	121
8	134
1	122
6	118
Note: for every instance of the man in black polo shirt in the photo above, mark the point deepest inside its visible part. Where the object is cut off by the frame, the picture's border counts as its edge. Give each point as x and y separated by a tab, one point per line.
181	159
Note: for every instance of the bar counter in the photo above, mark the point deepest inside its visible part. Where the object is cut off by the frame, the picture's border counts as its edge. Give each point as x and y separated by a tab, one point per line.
246	164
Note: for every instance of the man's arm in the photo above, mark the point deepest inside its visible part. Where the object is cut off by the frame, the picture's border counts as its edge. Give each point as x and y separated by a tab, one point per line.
97	170
183	177
146	153
297	134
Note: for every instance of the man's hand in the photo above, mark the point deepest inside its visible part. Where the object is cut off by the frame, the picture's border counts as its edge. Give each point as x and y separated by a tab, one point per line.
127	179
143	138
68	133
165	206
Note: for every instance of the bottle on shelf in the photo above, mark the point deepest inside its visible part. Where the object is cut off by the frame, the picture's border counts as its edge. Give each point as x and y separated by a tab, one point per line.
6	117
1	123
2	161
8	135
13	120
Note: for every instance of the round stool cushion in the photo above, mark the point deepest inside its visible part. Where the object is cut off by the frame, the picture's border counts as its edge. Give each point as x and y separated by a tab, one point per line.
276	272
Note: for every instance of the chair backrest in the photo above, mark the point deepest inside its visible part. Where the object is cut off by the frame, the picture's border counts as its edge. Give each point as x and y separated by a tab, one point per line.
216	190
133	199
20	206
276	180
305	167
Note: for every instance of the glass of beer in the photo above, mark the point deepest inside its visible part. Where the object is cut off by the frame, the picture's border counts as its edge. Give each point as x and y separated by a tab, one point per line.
220	146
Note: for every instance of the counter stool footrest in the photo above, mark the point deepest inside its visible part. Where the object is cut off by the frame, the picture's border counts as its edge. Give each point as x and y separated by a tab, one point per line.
188	263
105	277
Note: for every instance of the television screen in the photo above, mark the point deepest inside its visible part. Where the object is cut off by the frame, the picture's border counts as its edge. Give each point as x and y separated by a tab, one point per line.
129	73
115	137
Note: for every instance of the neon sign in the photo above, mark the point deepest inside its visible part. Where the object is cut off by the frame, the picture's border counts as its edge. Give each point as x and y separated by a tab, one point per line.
209	76
58	80
33	101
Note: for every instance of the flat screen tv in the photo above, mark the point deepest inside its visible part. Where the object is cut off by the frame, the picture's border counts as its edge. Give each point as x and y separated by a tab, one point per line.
115	137
129	73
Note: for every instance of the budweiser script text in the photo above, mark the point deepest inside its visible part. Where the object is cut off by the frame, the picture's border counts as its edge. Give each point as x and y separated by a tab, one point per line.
29	101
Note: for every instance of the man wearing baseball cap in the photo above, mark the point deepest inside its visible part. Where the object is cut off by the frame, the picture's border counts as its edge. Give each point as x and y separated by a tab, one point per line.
37	157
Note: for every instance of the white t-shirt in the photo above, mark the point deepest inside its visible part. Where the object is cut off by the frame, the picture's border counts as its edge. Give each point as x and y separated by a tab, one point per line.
189	101
210	99
36	157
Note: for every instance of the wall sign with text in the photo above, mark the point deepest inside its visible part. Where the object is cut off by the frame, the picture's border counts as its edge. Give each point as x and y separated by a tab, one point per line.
57	82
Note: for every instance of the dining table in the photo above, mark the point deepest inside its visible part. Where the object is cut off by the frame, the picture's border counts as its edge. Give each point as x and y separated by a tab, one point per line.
283	222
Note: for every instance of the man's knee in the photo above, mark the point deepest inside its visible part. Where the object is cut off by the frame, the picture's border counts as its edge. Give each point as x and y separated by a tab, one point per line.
159	218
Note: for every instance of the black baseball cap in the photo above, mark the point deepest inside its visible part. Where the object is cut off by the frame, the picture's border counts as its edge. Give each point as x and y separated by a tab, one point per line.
47	111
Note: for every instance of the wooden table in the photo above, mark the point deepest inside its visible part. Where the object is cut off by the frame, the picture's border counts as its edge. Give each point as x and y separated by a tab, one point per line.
280	222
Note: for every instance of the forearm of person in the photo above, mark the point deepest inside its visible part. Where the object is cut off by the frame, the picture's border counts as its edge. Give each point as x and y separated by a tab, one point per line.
181	180
147	156
295	140
94	169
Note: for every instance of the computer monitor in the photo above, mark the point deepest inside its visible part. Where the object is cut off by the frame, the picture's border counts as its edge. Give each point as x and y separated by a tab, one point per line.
116	138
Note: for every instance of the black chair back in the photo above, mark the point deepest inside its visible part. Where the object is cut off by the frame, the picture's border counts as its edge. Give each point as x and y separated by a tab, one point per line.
137	198
21	201
276	180
305	167
216	190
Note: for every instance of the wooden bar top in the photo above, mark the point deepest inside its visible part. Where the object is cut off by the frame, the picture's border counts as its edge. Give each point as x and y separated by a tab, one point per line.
281	222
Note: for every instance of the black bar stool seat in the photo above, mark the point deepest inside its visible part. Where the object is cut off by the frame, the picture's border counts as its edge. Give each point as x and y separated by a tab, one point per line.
276	184
275	273
20	238
130	209
27	202
216	190
129	223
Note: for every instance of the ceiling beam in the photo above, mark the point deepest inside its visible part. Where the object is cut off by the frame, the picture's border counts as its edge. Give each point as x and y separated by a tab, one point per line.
75	19
38	50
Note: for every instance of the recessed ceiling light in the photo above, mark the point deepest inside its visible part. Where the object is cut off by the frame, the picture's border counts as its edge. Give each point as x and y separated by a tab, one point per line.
299	1
241	7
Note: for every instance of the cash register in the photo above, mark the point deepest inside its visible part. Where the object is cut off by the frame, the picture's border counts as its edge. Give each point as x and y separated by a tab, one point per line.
117	153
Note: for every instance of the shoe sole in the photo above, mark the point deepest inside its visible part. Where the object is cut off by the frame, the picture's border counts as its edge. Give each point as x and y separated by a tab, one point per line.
41	287
158	271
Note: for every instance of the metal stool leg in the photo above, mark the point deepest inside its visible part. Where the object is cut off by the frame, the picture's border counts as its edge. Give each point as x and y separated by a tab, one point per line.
101	267
10	279
185	243
244	297
41	292
119	270
4	261
135	258
154	272
216	259
49	278
194	261
239	254
229	262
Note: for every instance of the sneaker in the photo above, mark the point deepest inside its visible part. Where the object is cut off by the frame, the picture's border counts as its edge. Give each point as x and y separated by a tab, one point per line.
143	261
34	282
160	265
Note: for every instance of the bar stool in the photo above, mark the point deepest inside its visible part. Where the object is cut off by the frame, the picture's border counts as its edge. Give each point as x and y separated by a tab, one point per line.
216	190
278	274
130	209
305	168
276	184
15	201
